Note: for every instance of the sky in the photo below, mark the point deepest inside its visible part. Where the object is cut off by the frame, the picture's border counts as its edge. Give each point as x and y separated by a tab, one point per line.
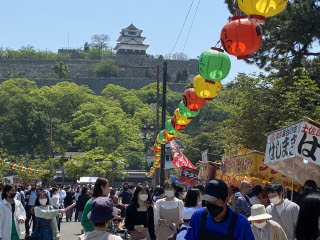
47	25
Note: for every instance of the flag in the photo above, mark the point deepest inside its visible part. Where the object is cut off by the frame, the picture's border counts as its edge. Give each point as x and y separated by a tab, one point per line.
205	156
179	159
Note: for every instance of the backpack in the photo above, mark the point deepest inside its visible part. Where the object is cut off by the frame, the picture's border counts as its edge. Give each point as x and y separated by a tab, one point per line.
174	236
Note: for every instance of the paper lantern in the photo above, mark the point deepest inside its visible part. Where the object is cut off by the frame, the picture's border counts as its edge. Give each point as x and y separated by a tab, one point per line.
192	101
23	169
157	155
1	162
160	141
10	165
7	164
20	168
17	167
169	128
161	137
177	126
214	64
28	169
14	166
32	170
156	148
259	10
241	37
181	120
206	89
172	136
186	112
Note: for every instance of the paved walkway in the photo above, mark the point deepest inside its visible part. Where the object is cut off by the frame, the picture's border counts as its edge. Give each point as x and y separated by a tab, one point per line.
70	230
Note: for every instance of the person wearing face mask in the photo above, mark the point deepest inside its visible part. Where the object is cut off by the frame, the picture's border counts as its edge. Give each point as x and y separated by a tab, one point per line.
46	227
125	195
243	204
139	218
12	214
101	188
180	193
263	228
217	220
30	200
283	211
168	212
308	226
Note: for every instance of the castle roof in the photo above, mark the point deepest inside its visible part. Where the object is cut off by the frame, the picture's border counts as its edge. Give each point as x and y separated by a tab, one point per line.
131	27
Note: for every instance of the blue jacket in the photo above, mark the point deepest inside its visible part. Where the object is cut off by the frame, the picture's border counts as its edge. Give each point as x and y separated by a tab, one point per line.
242	229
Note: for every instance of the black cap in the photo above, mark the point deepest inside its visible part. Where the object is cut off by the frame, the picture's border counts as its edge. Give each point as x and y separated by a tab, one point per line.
215	190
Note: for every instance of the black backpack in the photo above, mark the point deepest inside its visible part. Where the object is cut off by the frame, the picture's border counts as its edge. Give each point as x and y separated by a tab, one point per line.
174	236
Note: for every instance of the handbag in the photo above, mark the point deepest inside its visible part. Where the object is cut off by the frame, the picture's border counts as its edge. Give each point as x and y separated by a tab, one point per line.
135	235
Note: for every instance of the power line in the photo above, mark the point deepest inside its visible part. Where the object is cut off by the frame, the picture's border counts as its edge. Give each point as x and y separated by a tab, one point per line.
185	20
194	16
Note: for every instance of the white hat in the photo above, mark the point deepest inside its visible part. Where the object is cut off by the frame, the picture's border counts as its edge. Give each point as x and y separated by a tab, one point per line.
187	213
258	212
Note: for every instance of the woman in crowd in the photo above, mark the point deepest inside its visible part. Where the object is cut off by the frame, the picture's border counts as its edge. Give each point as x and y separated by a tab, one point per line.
46	227
256	195
180	193
101	188
262	227
192	199
55	202
158	194
114	198
81	203
308	226
12	214
76	196
139	215
168	212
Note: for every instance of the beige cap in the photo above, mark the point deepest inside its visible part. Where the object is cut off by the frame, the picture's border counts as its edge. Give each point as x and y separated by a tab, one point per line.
258	212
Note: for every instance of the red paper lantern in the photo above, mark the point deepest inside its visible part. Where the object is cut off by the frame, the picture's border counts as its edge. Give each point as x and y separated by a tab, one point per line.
192	101
241	37
177	126
28	169
11	165
156	148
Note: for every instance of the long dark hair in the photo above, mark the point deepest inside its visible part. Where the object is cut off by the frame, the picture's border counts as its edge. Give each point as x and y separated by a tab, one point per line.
307	226
179	189
53	190
6	189
97	191
139	188
84	191
192	198
41	194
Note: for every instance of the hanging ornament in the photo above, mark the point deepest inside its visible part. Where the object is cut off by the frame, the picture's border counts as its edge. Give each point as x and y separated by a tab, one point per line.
214	64
177	126
259	10
7	164
181	120
170	136
20	168
170	128
157	155
241	37
161	137
28	170
1	162
186	112
156	148
192	101
206	89
160	141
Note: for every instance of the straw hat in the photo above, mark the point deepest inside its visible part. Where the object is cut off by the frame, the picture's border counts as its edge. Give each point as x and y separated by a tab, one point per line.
258	212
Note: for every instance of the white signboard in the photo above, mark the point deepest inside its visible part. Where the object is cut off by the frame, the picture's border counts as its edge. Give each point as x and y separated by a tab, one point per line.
307	145
88	179
280	143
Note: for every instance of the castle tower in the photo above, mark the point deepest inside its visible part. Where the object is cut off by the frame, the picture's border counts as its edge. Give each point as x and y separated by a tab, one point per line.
131	41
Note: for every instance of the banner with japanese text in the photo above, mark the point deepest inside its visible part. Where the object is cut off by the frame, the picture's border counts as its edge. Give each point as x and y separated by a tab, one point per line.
178	158
280	143
307	145
189	176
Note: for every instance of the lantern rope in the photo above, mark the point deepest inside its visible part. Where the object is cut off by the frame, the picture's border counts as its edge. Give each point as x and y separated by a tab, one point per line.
184	23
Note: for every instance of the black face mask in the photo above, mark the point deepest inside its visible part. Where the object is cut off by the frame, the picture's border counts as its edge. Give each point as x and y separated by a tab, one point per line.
125	188
214	210
12	195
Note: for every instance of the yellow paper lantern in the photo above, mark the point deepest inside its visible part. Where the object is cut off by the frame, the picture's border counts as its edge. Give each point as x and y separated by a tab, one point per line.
161	142
181	120
259	10
206	89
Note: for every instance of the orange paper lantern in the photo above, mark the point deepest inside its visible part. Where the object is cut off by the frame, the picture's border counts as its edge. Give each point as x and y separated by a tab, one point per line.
192	101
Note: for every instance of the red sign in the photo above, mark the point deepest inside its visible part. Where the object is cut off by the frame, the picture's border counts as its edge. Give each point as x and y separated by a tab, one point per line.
189	176
179	159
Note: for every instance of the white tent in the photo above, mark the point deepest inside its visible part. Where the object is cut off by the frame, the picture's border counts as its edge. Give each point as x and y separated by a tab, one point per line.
295	151
87	179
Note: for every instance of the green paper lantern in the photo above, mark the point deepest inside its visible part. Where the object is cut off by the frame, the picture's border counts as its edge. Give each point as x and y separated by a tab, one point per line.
7	164
161	137
32	170
214	64
186	112
17	167
169	128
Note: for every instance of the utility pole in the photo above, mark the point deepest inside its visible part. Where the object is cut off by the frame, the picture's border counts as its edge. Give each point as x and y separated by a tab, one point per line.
157	173
112	173
163	120
50	134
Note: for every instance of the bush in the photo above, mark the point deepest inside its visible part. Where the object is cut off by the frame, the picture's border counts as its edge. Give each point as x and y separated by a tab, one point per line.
106	68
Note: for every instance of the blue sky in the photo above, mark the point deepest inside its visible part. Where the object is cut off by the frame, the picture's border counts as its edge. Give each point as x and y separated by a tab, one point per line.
46	24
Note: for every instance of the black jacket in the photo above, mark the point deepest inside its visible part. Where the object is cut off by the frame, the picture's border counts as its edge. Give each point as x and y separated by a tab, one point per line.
81	203
68	200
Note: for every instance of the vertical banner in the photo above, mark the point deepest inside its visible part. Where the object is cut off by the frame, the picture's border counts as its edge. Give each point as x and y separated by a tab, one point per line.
205	156
179	159
307	145
189	176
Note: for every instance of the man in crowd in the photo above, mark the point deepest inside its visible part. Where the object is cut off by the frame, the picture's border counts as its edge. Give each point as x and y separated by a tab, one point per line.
68	200
125	195
309	187
243	205
30	200
283	211
217	220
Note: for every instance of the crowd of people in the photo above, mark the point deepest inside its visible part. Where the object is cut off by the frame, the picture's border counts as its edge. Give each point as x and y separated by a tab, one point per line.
211	211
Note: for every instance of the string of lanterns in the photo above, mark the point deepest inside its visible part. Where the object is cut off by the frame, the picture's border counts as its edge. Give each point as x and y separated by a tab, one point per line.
241	37
20	168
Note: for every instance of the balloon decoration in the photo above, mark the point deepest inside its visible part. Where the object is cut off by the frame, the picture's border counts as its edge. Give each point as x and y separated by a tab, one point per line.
20	168
259	10
241	37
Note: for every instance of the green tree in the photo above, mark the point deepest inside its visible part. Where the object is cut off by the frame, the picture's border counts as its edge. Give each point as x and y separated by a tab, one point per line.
60	69
106	68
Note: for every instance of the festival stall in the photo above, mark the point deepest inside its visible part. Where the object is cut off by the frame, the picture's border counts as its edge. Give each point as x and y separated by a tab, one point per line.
295	151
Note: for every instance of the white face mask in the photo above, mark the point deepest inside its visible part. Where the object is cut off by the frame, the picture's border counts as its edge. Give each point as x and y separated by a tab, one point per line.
260	225
143	197
169	193
184	194
43	201
275	200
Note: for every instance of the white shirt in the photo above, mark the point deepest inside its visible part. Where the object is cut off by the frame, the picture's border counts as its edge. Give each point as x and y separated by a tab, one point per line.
280	208
182	234
55	201
167	205
254	200
6	218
